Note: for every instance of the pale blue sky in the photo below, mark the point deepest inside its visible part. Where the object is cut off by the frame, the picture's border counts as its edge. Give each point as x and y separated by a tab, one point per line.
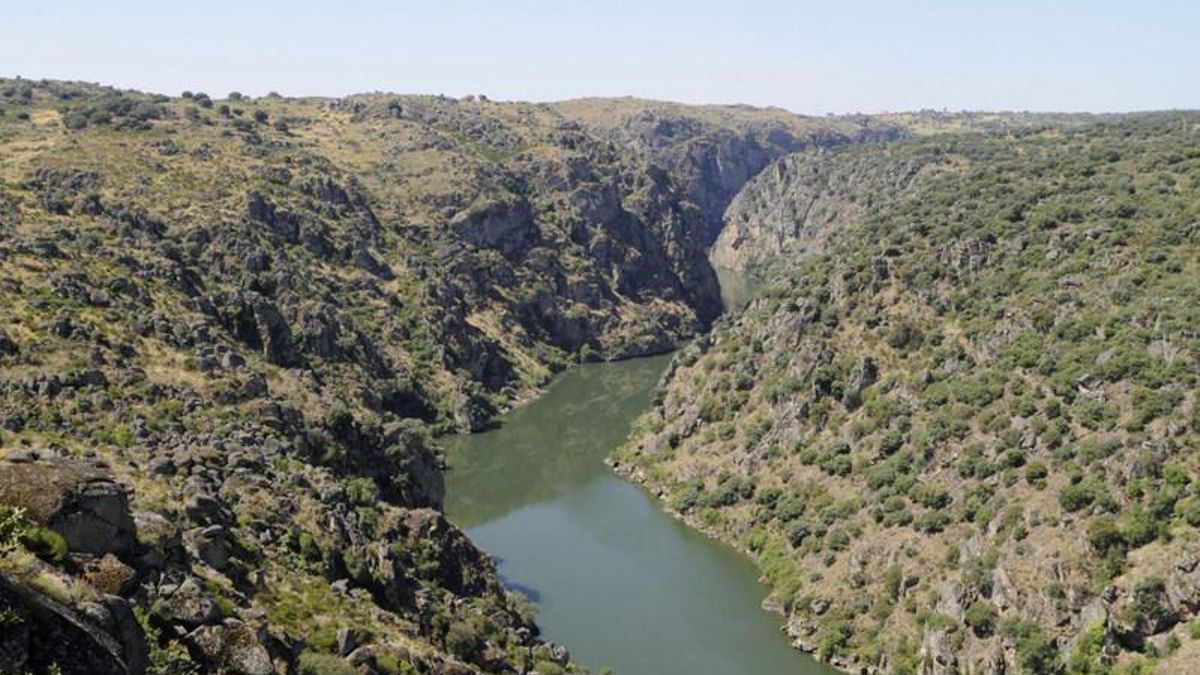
812	57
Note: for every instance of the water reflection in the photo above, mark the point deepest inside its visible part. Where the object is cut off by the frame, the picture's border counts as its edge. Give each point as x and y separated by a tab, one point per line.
551	446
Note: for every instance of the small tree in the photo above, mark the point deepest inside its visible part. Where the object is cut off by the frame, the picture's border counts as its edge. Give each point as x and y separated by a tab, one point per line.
981	618
1104	535
12	528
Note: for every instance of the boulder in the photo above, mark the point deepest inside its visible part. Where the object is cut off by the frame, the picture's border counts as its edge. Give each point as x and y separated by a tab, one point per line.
211	545
188	604
208	510
75	499
232	648
116	617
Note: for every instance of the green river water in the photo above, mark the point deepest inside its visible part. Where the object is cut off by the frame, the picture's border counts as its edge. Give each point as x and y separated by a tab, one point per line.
615	579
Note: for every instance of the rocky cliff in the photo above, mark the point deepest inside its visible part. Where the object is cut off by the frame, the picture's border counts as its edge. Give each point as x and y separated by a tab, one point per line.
791	209
233	328
958	431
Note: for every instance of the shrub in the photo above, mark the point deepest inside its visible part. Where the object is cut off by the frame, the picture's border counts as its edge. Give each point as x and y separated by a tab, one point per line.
932	496
1036	653
45	544
465	639
1189	510
1141	527
687	497
981	618
1036	473
1104	535
1077	496
892	580
362	491
932	521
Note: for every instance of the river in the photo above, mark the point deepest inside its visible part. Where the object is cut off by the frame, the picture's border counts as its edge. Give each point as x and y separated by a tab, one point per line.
615	579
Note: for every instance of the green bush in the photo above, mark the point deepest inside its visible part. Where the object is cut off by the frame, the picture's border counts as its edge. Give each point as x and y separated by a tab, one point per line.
45	544
466	639
981	618
1036	653
932	496
1104	535
1036	473
932	521
1189	510
1141	527
362	491
687	497
1078	496
892	580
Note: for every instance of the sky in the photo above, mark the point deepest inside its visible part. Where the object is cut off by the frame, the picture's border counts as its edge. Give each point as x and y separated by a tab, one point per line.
831	56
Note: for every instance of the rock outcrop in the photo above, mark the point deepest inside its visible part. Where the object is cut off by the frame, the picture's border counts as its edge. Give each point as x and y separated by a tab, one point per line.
40	633
75	499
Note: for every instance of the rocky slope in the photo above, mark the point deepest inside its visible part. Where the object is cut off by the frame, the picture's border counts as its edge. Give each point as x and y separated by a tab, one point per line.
791	210
233	328
959	431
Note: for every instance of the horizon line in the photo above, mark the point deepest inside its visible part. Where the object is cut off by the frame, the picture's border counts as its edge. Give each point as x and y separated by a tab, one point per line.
616	97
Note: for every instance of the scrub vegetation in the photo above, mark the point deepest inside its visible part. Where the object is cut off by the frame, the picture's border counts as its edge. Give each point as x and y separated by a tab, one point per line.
959	429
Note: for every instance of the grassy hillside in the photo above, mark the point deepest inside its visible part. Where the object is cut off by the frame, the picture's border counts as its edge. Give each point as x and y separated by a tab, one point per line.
959	431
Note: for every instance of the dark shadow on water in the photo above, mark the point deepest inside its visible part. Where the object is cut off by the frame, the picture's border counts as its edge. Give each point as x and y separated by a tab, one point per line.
531	594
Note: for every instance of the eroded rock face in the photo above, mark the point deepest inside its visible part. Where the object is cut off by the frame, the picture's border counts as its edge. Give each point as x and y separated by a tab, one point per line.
80	502
506	226
794	205
44	633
